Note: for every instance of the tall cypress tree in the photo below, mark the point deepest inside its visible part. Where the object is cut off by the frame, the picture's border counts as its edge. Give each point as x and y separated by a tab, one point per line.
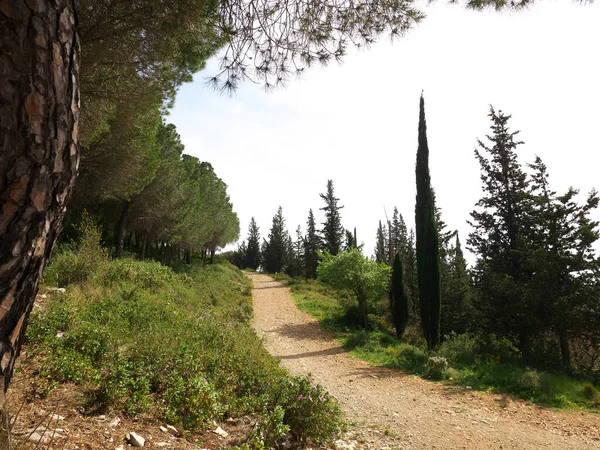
428	260
398	297
333	232
253	247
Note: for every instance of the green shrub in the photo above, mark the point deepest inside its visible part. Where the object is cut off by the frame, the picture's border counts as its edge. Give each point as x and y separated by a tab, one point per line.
360	338
460	349
270	428
499	349
436	367
409	358
126	384
190	401
66	365
380	323
61	271
529	382
144	274
414	336
311	413
589	392
73	266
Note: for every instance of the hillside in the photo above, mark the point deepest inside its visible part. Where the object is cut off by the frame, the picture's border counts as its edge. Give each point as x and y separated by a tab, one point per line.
130	346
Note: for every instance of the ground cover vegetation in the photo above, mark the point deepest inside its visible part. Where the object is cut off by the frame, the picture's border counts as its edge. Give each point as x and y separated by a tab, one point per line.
145	339
524	319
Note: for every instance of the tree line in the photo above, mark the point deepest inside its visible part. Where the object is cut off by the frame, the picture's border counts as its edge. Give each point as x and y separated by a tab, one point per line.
535	280
298	256
176	207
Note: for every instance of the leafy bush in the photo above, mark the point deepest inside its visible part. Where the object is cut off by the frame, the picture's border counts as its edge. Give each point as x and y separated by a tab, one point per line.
351	270
270	428
436	367
409	358
126	384
360	338
79	261
462	349
312	414
589	392
499	349
190	401
467	349
144	274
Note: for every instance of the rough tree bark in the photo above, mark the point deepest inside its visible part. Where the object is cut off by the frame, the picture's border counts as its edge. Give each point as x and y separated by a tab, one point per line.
39	111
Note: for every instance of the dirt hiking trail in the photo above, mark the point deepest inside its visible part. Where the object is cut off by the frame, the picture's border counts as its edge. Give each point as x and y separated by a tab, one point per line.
395	410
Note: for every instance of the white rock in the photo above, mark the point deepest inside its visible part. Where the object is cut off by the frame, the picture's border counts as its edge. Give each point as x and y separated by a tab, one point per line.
161	444
57	289
163	429
135	439
57	417
116	421
59	334
221	432
342	445
172	430
40	435
38	438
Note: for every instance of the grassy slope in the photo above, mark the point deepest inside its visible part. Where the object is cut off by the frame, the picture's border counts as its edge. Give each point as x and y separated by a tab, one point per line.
178	346
484	364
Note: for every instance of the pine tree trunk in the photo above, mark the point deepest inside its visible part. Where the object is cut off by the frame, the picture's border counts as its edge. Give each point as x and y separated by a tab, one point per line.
565	351
39	156
120	229
145	246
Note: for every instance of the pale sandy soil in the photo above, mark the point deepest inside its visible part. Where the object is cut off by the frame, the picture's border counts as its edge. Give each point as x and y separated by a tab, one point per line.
394	410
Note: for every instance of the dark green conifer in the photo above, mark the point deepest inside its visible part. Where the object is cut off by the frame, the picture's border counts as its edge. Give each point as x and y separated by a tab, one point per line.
253	248
332	232
457	308
276	249
500	238
312	246
398	297
428	265
380	246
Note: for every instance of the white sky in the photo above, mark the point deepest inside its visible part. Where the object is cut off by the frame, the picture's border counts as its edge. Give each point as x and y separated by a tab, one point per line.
356	123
